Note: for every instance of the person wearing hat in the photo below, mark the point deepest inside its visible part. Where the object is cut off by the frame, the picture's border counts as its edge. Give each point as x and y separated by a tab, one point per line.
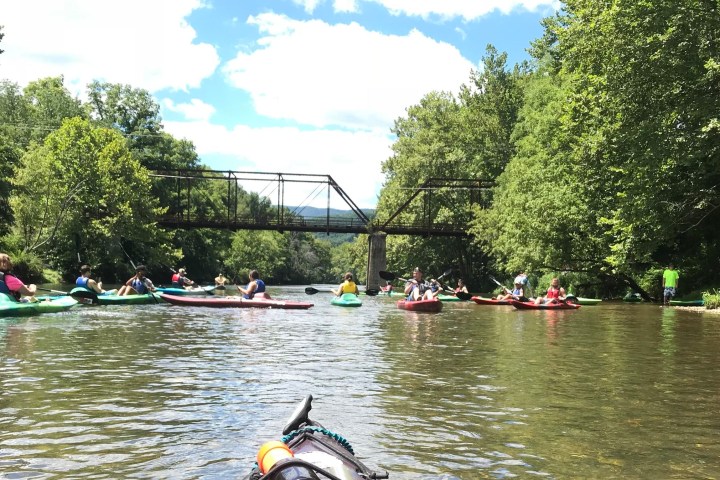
179	280
85	281
139	284
419	289
517	293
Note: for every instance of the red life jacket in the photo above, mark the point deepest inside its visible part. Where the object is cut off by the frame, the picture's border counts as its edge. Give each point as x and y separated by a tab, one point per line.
553	293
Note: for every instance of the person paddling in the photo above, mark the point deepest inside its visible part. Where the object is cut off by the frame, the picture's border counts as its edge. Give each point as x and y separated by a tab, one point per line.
139	284
12	285
254	287
348	286
179	280
220	281
85	281
517	293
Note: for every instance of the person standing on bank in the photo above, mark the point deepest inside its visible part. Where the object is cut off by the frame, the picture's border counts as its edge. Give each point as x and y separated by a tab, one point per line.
348	286
85	281
670	281
254	287
11	285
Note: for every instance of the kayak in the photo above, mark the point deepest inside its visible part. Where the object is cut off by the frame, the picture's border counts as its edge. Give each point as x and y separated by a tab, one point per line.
9	307
588	301
433	305
489	301
309	451
550	306
184	291
346	300
687	303
84	296
234	302
448	298
633	298
391	293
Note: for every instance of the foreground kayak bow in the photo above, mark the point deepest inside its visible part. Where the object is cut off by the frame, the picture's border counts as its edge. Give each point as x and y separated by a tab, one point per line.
309	451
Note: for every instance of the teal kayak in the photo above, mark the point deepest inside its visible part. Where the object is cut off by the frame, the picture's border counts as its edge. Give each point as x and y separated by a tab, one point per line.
185	291
82	295
448	298
346	300
9	307
687	303
588	301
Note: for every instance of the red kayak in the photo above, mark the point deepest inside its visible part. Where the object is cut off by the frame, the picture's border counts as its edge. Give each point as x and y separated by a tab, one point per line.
234	302
549	306
489	301
434	305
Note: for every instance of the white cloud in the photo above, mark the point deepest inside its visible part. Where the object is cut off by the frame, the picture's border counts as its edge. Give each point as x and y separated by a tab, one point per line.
195	110
466	9
353	159
345	6
308	5
147	44
320	74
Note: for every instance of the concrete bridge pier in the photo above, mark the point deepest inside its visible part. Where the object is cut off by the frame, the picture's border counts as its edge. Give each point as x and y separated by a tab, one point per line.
377	260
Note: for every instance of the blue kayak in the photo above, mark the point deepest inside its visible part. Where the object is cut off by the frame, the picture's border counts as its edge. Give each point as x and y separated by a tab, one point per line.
187	291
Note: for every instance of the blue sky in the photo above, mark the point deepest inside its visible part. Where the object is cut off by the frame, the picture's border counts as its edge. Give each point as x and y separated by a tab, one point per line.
292	86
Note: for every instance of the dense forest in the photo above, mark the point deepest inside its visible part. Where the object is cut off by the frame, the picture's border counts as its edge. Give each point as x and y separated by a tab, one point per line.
603	151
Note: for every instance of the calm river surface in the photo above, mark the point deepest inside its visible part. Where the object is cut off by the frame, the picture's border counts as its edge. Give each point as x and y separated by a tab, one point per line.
609	391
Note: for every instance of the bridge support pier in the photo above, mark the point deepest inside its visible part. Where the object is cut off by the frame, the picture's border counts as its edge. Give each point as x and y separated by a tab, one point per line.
377	260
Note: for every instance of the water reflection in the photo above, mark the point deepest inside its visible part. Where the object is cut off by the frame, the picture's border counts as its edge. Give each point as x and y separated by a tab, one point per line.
473	392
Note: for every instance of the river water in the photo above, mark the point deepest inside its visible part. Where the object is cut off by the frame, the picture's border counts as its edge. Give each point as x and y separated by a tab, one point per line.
157	391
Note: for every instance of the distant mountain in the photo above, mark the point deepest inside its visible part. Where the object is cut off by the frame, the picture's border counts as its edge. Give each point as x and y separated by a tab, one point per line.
321	212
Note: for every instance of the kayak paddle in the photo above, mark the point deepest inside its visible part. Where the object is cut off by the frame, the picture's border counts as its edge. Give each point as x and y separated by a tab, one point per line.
53	291
312	291
85	296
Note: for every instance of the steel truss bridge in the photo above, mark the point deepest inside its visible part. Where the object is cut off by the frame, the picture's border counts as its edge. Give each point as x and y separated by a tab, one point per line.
191	211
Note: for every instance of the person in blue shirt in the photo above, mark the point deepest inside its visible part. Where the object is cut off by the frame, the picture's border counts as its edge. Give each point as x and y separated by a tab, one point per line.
85	281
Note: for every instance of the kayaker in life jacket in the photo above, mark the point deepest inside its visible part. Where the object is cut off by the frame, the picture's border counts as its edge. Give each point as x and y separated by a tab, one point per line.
517	293
254	287
138	284
179	280
555	294
11	285
88	283
419	289
348	286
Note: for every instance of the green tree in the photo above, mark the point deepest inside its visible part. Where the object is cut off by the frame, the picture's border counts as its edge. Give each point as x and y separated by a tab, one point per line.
80	194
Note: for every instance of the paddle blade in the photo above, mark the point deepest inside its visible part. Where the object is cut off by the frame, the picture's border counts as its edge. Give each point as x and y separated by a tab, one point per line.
372	292
572	299
85	296
311	290
463	295
445	273
386	275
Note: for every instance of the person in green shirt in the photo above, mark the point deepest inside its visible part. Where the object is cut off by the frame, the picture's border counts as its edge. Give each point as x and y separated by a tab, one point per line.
669	283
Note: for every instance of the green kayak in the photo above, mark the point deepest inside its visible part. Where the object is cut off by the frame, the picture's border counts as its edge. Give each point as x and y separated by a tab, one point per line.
82	295
448	298
346	300
9	307
687	303
588	301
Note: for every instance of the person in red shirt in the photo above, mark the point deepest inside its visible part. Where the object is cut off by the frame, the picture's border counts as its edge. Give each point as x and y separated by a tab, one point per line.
555	293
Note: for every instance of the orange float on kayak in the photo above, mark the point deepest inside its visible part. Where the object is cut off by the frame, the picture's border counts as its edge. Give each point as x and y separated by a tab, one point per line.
432	306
